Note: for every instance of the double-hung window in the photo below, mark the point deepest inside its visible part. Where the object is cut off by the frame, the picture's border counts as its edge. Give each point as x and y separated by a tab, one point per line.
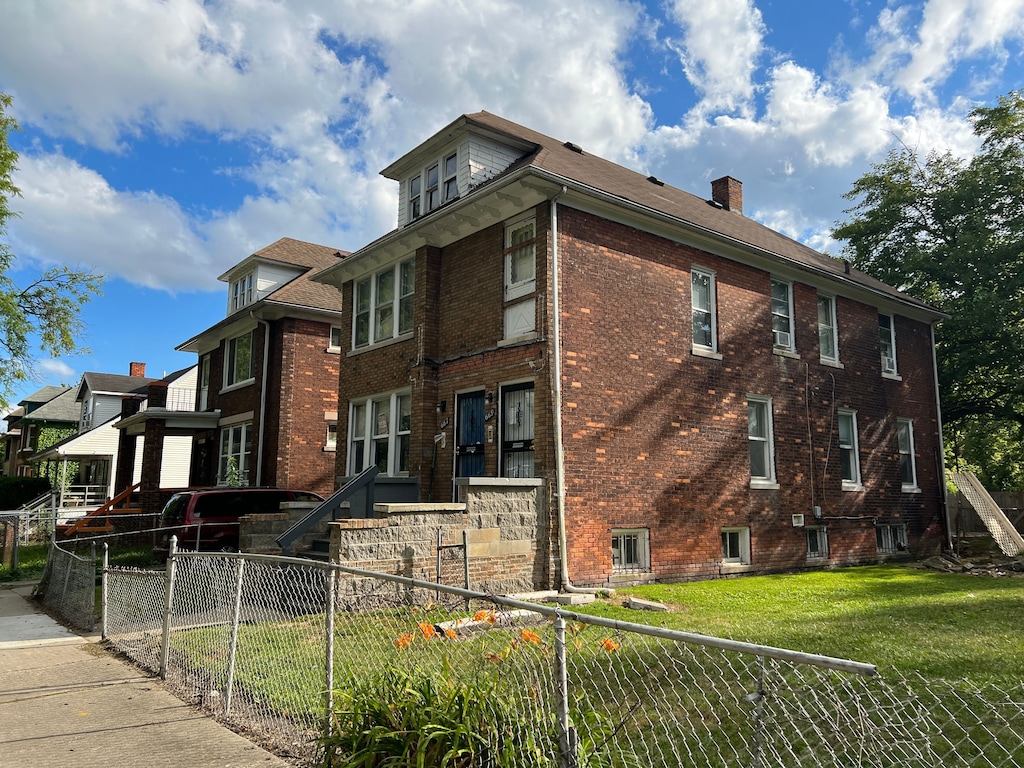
887	343
451	183
782	315
849	456
702	295
760	440
379	433
520	277
235	448
383	304
238	362
828	339
905	442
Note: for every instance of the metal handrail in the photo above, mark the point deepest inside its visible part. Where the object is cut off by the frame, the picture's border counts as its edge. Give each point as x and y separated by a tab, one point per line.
363	480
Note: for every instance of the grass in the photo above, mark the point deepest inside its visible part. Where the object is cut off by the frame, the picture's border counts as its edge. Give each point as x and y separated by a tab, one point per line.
32	561
941	625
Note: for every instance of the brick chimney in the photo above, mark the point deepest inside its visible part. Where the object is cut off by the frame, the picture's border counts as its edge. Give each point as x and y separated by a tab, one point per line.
728	192
137	369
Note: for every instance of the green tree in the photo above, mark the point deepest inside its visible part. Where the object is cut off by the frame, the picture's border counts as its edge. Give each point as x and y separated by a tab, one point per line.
950	231
46	310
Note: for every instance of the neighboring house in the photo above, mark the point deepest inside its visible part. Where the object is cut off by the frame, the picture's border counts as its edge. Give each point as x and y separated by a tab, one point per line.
701	395
43	418
94	449
268	374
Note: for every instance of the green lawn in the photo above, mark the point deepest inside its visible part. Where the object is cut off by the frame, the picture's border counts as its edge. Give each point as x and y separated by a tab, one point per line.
941	625
32	560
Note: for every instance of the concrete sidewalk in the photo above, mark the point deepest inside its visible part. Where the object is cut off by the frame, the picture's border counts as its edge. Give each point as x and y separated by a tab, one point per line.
64	701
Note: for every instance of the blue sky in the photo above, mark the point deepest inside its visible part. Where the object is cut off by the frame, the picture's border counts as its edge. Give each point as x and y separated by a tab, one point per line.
165	140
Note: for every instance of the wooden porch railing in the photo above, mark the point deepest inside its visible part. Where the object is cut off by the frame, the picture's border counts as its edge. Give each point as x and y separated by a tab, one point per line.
90	522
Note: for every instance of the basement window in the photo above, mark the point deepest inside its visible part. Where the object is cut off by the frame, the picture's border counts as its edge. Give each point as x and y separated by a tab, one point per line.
891	538
631	550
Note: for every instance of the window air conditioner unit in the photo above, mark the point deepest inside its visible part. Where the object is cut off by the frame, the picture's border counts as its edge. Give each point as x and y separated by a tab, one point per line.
782	339
798	521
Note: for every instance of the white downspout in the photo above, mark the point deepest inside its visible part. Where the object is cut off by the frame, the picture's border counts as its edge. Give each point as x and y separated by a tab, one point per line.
563	549
263	397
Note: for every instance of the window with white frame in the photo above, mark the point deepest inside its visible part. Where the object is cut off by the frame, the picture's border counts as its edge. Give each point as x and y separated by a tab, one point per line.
891	538
736	546
520	277
817	542
331	441
905	443
887	343
760	439
435	185
383	304
849	454
204	382
379	433
235	449
702	295
631	550
243	291
238	359
828	338
782	315
334	341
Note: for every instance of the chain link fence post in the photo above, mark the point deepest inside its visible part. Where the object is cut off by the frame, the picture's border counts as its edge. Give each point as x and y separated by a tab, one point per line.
332	585
566	733
172	564
104	591
235	621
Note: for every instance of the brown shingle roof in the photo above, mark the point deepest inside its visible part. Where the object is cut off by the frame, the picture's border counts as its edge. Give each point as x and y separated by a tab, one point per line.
555	157
301	290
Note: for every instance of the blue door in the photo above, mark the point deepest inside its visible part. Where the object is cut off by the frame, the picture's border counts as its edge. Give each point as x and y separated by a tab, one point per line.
469	448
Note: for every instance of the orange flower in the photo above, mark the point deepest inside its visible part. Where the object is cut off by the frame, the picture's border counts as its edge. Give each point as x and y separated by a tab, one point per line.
609	645
529	636
484	615
403	640
451	634
427	630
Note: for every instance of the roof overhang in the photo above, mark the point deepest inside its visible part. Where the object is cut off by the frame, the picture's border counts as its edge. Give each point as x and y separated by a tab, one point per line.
243	319
187	420
505	196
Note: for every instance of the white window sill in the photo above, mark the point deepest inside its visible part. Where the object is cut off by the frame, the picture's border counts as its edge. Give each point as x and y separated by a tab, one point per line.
852	486
764	485
783	352
330	449
892	376
333	350
911	489
702	352
736	568
831	363
381	344
237	385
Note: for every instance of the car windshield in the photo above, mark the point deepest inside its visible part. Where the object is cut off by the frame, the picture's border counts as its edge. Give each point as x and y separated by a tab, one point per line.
174	510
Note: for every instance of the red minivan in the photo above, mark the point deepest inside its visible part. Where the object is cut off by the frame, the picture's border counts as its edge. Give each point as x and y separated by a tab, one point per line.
207	518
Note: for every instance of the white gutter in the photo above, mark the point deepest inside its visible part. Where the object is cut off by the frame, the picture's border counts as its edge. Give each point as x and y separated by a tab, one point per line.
563	548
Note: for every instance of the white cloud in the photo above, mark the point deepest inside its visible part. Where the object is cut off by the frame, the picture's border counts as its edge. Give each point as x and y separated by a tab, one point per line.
721	44
56	370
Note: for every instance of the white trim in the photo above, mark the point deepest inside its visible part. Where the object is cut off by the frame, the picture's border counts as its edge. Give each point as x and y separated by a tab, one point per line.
833	358
768	440
374	306
743	545
782	340
911	487
368	438
890	369
642	564
853	483
711	310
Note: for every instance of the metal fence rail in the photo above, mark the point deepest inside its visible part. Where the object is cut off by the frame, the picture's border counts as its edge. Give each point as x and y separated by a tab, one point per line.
295	651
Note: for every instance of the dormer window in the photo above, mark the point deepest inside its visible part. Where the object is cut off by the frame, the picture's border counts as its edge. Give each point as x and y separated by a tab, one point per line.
436	185
242	292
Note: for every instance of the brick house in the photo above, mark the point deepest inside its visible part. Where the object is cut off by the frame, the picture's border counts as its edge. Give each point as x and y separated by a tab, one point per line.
701	395
268	374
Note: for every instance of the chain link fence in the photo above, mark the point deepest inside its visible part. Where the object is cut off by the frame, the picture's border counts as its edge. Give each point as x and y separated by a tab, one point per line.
68	586
327	664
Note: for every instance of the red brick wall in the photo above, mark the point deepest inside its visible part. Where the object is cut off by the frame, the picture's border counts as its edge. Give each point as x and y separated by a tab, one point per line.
656	437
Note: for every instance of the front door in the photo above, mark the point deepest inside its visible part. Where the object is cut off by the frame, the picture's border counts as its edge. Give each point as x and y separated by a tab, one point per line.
469	448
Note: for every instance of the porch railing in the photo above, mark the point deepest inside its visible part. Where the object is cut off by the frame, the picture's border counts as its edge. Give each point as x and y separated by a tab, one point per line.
362	481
